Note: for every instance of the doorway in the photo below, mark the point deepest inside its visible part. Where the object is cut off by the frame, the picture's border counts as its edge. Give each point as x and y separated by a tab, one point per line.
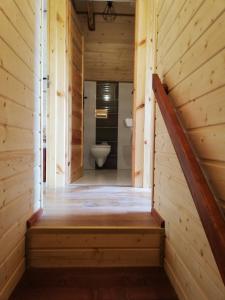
78	69
90	102
108	86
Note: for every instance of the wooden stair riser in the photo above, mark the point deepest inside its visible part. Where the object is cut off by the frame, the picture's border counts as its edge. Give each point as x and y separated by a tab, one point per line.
94	248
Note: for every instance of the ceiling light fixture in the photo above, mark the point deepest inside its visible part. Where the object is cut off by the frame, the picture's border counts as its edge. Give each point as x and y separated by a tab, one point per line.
109	13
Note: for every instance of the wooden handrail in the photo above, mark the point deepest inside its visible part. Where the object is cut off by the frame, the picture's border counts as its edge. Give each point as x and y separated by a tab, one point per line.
210	214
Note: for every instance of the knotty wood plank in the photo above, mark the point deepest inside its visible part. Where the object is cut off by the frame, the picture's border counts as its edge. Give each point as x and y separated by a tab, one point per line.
210	215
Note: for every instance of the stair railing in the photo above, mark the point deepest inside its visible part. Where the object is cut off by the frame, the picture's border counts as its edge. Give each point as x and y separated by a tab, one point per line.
210	214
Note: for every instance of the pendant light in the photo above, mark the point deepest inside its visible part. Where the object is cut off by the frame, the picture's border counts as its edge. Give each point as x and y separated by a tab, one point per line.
109	14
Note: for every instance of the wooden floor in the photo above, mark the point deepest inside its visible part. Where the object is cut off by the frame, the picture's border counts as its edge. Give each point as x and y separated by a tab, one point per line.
94	206
95	284
105	177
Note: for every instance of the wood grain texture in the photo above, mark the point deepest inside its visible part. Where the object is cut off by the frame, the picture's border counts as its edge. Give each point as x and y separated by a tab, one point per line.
90	284
19	119
99	257
108	51
76	61
206	204
190	60
143	104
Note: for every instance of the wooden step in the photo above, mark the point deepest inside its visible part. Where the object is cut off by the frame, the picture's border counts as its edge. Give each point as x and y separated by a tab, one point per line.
94	247
94	283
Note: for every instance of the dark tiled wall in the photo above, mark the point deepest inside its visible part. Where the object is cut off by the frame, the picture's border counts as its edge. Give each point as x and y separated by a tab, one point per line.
107	129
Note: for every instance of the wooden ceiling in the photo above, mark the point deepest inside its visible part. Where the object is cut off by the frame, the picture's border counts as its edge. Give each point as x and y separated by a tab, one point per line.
121	7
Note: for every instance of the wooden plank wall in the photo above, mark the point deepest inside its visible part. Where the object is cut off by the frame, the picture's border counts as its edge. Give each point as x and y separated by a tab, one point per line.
64	123
19	132
191	60
76	51
109	50
143	103
57	96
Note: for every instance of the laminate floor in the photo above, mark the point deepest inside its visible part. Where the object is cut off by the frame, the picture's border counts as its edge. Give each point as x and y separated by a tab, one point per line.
95	284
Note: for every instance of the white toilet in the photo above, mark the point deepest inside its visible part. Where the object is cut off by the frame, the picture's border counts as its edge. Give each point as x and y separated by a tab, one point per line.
100	153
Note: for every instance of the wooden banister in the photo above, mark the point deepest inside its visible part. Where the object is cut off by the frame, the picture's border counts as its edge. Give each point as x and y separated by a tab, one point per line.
210	214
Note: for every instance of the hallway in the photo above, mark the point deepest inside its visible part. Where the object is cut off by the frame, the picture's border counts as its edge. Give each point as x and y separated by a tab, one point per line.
89	205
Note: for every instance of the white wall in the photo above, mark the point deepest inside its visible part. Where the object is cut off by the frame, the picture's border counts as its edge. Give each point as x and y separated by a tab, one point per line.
89	122
124	133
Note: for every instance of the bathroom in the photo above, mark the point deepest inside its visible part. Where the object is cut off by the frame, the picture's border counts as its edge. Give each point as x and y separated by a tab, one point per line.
107	133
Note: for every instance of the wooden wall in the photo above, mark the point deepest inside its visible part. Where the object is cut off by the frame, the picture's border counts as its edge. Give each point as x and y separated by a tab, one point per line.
64	122
108	51
143	100
76	53
19	133
58	93
191	60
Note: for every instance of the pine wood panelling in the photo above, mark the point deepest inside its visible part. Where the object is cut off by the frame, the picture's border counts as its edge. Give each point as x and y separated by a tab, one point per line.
197	23
15	115
27	13
76	53
208	45
19	146
13	13
209	77
11	238
57	106
13	280
169	20
15	162
17	44
204	111
205	140
12	138
19	94
14	211
11	62
14	259
180	23
65	94
143	104
12	187
164	12
216	174
190	59
186	287
109	50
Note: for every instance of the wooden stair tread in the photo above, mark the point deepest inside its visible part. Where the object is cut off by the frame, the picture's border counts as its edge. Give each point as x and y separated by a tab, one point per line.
124	220
92	283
